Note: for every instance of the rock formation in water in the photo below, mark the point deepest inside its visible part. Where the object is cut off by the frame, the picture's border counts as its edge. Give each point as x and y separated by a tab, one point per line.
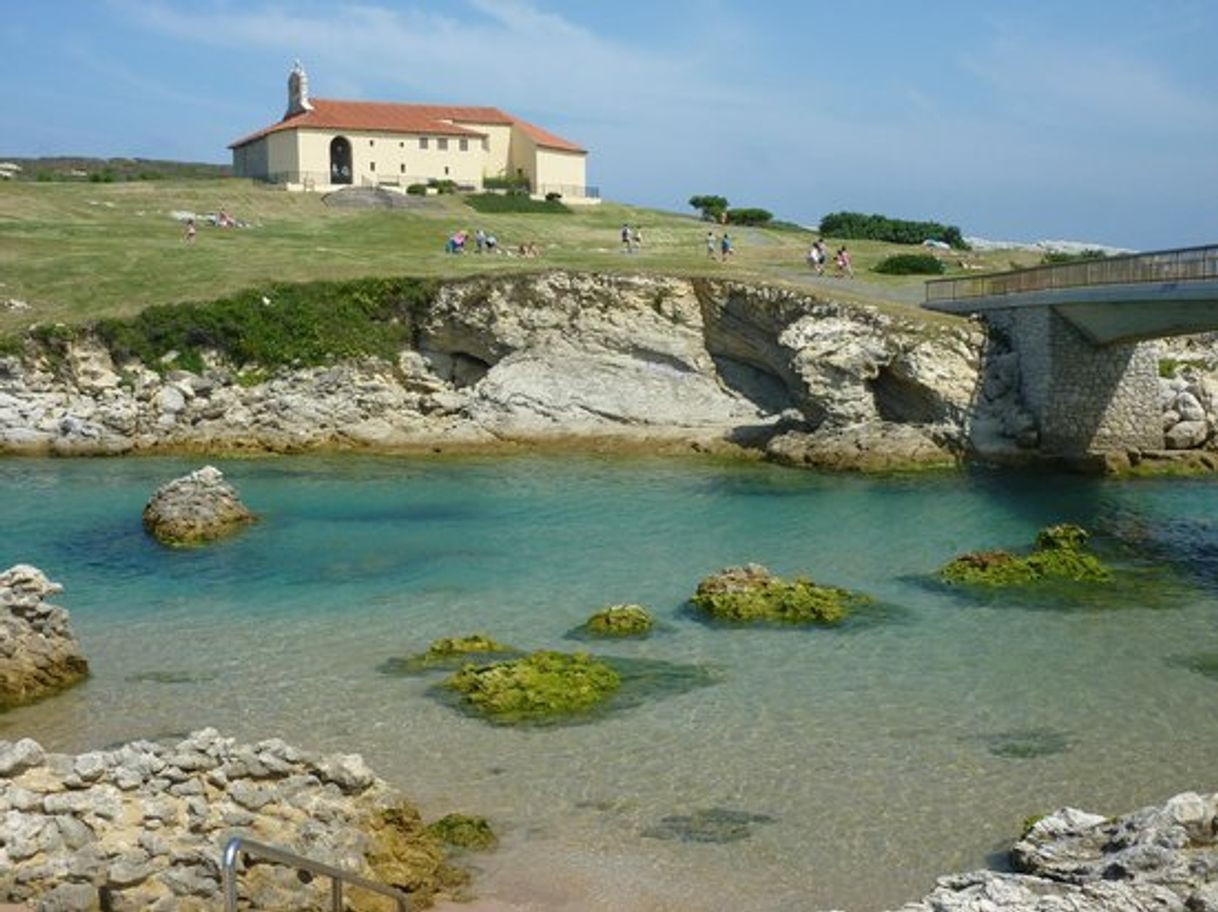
1158	858
544	357
39	654
144	825
751	593
195	508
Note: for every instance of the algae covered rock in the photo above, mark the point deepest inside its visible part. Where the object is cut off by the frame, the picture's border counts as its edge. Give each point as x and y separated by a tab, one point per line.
448	653
619	621
464	831
1060	553
752	593
196	508
545	683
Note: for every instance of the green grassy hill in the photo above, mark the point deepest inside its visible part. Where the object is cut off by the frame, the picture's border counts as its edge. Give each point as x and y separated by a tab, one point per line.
80	251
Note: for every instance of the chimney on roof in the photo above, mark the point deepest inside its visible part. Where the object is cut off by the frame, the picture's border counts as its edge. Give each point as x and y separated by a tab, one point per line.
298	91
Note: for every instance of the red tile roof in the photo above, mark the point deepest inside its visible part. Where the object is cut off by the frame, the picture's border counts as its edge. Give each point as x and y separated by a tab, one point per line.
389	117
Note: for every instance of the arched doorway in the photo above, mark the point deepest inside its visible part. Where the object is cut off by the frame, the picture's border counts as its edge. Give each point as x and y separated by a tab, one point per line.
340	160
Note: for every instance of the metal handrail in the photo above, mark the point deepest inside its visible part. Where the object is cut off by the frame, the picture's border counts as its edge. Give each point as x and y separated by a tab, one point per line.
239	845
1185	264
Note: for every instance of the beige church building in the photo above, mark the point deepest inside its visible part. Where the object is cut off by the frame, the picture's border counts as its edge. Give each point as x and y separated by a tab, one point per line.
322	144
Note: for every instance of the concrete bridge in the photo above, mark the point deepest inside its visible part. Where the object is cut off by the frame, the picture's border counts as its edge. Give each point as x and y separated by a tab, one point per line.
1079	330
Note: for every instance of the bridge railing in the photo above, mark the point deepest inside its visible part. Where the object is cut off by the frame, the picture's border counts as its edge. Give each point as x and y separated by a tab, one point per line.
1182	265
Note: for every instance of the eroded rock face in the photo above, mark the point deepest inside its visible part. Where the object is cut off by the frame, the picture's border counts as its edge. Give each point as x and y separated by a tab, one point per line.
875	446
39	653
147	823
1163	858
552	356
195	508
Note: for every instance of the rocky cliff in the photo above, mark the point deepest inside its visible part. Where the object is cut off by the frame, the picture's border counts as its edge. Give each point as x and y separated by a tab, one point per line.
537	358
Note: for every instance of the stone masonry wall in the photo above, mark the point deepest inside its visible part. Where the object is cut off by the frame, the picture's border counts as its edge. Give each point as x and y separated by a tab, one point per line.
1084	398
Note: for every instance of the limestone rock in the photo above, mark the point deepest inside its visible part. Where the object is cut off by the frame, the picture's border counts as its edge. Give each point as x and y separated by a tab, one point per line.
198	507
871	447
1185	435
157	846
39	653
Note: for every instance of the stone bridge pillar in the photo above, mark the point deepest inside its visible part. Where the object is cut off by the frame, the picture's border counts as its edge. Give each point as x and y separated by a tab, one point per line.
1085	399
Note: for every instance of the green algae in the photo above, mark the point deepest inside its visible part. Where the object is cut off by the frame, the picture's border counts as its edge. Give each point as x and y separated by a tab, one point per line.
447	654
464	831
751	594
642	681
707	825
619	621
1203	663
1026	743
545	683
1060	553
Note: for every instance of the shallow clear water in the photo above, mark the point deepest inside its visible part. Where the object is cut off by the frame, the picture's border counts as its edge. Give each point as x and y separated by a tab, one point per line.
880	754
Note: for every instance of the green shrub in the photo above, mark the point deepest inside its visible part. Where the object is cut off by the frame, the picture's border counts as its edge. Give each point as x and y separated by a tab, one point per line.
417	189
306	324
442	186
855	225
1058	257
910	264
747	216
710	207
553	196
511	184
495	202
464	831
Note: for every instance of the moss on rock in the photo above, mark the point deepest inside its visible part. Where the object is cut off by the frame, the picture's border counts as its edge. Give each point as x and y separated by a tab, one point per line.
405	854
752	593
546	683
447	652
1060	553
619	621
464	831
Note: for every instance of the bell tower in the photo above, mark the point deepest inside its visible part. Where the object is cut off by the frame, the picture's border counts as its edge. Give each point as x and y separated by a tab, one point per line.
298	91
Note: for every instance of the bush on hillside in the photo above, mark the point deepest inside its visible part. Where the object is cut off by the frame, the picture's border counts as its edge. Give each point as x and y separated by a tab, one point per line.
1056	257
511	184
710	207
910	264
442	186
417	189
511	202
309	324
857	226
749	216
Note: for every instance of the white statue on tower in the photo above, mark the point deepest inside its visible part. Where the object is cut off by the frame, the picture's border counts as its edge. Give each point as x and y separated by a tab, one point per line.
298	91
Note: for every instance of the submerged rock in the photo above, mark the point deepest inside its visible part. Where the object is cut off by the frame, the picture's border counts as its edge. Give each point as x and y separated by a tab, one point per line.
545	683
752	593
145	823
1060	553
448	652
464	831
196	508
39	653
619	621
717	825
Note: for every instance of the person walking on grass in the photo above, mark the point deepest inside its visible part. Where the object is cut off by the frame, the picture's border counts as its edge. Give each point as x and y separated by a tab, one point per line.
626	248
710	244
189	237
725	247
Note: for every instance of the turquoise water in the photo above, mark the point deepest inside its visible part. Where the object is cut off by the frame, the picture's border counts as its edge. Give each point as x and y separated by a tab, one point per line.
851	765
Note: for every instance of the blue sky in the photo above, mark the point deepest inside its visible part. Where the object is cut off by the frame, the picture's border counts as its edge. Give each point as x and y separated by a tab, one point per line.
1090	120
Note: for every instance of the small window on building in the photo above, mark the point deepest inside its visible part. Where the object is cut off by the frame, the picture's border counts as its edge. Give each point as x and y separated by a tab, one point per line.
371	166
401	145
442	144
372	142
422	142
463	144
446	170
402	169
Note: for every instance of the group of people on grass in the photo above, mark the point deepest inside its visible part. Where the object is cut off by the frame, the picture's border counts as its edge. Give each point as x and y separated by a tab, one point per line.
721	244
487	243
818	256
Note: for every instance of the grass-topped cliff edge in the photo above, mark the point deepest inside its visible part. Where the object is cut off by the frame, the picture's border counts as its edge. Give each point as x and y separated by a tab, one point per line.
78	252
